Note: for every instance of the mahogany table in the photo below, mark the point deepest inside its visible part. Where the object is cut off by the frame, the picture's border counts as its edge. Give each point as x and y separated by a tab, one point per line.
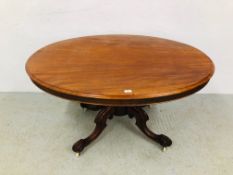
119	75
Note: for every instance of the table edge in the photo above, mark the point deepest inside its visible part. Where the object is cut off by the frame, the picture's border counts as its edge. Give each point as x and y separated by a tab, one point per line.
121	102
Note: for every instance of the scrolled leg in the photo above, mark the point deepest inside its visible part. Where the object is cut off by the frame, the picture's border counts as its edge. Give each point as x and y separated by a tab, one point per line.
100	121
141	119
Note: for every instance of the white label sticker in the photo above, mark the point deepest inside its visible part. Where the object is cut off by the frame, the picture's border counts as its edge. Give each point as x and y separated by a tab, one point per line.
128	91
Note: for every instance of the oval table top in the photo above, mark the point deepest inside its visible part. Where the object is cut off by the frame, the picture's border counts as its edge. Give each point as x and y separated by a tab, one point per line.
120	70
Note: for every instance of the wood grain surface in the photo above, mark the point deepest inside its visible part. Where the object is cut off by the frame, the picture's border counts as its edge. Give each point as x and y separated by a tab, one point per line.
119	69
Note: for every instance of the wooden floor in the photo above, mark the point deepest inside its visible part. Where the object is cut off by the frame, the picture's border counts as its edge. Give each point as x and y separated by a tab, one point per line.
37	131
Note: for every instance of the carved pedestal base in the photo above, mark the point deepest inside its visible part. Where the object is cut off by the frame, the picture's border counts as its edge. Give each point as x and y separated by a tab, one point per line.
108	113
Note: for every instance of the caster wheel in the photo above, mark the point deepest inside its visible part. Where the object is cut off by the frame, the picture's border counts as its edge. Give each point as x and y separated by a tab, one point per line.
77	154
90	107
164	141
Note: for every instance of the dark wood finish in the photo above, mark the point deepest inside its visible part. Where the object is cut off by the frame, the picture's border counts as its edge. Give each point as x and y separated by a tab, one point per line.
108	113
98	69
141	119
100	121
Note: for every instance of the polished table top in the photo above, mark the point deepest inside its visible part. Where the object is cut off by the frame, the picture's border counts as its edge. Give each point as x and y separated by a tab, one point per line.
120	70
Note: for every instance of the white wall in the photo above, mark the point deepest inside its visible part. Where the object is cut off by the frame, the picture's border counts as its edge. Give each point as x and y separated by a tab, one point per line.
27	25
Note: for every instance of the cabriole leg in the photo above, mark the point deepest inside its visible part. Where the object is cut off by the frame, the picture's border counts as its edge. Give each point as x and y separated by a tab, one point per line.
141	119
100	121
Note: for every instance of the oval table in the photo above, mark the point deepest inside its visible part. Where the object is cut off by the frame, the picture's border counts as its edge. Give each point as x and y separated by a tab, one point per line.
119	75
